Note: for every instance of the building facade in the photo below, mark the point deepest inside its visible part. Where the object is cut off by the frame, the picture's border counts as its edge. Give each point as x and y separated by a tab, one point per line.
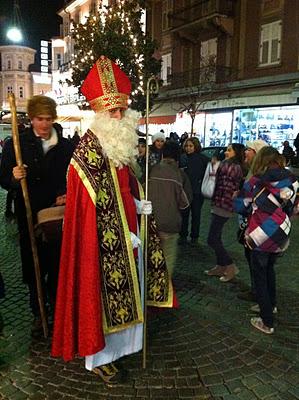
15	75
231	66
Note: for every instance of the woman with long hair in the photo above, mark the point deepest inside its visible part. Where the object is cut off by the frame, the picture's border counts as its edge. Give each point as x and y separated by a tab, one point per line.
267	200
229	177
195	166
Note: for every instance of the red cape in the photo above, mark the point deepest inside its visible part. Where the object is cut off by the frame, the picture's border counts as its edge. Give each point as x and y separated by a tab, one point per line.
78	312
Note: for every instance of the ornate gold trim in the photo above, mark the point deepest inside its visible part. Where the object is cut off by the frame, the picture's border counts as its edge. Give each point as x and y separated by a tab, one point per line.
109	102
84	180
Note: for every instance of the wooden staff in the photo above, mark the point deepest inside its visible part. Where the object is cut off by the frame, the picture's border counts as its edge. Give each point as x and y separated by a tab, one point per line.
152	86
18	154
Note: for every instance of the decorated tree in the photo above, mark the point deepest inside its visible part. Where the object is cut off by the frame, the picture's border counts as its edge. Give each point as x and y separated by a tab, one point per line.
116	32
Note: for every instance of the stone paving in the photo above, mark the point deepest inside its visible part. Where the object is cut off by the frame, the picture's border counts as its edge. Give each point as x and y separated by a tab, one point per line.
205	350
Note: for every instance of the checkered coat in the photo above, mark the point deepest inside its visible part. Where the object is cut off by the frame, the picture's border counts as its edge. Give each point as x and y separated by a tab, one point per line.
268	203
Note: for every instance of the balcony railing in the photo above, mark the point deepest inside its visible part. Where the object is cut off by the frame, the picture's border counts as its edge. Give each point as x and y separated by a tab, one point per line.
202	78
200	10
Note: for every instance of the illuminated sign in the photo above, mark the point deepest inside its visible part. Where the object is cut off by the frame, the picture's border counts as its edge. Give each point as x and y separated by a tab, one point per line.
44	62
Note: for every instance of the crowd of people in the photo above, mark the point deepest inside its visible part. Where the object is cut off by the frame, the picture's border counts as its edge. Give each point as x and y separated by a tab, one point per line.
98	297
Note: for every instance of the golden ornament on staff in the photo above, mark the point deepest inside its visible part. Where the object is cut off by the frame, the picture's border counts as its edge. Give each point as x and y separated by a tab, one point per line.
18	154
152	87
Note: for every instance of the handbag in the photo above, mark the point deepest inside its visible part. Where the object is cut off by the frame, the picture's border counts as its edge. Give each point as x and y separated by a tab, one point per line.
209	180
49	223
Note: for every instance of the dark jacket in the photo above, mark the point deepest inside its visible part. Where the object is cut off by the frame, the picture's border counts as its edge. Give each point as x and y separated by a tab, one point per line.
195	170
46	173
46	179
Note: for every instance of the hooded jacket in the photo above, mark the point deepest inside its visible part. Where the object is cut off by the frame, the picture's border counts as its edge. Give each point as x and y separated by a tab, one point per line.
268	202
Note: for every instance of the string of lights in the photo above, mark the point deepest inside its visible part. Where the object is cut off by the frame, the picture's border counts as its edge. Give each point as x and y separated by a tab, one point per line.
117	32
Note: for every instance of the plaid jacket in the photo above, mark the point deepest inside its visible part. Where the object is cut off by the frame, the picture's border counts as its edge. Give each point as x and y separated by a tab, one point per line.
268	203
228	179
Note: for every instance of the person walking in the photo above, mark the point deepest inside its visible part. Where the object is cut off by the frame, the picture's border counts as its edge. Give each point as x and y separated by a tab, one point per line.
170	192
229	177
99	305
195	167
46	156
267	200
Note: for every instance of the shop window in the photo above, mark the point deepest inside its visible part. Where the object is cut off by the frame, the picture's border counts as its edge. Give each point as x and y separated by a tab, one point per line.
8	64
270	44
21	92
167	8
166	68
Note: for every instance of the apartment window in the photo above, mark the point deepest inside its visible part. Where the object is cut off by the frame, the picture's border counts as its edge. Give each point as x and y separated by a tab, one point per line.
20	64
208	56
66	26
93	8
58	60
8	64
21	92
270	44
166	68
167	8
9	89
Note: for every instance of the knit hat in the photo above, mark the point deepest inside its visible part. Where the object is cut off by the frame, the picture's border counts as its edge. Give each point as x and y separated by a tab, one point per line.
256	145
106	86
158	135
39	105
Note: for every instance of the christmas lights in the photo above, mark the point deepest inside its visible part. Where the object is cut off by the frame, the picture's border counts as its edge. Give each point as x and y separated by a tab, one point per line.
116	32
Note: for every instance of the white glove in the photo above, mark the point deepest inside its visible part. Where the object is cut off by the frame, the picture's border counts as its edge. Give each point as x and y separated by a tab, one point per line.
144	207
135	240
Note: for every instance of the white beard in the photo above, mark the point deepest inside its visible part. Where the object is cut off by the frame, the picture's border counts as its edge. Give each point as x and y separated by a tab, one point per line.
118	138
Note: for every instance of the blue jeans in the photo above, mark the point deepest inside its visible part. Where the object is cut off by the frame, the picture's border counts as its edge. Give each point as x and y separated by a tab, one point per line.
215	240
265	283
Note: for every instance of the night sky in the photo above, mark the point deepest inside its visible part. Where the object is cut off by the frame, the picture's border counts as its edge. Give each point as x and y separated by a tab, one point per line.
38	19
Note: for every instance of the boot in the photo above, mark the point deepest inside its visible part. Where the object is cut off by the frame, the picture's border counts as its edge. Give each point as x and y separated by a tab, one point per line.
218	270
230	272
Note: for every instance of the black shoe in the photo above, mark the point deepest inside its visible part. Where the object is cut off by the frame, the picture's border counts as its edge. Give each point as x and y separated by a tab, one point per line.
9	214
110	374
194	242
182	240
247	296
37	328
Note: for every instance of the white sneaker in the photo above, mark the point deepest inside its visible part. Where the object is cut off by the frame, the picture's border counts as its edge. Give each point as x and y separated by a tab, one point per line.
258	324
256	309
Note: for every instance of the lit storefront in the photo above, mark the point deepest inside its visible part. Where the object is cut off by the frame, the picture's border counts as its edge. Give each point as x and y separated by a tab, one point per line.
273	124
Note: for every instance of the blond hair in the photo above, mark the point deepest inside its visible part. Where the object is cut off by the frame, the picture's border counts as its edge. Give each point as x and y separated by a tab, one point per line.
265	158
38	105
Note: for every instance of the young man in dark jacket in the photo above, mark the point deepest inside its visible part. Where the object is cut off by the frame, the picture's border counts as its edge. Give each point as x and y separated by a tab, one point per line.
46	155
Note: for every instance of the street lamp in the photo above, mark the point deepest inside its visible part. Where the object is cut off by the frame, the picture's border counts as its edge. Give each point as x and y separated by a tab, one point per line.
14	32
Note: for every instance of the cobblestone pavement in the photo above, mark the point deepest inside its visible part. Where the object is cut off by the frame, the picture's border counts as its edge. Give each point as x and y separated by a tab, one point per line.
204	350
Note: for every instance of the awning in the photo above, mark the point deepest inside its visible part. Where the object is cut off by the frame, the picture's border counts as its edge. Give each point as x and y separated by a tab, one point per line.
163	113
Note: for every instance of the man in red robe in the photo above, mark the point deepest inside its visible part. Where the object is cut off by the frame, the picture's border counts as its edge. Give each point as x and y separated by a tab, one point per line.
99	305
